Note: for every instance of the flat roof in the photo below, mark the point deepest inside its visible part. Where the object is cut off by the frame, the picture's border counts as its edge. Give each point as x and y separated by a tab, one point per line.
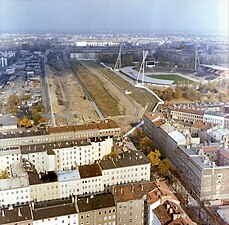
177	136
95	202
14	182
68	175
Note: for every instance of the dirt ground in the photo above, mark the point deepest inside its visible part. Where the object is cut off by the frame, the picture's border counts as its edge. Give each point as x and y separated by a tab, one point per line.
68	100
125	110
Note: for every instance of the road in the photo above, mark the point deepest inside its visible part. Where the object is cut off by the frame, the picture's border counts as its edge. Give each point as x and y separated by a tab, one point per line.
47	101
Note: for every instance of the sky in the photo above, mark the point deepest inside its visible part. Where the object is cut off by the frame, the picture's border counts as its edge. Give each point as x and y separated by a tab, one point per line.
115	15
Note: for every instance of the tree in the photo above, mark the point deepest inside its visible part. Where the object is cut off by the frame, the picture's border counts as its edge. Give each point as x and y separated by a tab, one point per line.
177	94
13	103
164	166
25	122
113	154
146	144
4	174
154	157
168	94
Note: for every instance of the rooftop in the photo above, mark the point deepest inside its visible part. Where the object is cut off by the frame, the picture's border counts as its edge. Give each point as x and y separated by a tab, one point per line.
17	214
54	145
68	175
95	202
14	182
189	111
9	151
129	158
92	170
128	192
108	124
35	178
55	208
161	191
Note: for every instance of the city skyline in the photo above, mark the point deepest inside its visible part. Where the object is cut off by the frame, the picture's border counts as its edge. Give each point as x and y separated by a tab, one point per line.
205	16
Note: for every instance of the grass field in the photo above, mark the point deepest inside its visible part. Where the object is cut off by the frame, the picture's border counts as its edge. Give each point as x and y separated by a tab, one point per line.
139	95
175	77
100	94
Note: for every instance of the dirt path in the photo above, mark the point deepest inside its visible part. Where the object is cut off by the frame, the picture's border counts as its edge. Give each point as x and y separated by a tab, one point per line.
68	100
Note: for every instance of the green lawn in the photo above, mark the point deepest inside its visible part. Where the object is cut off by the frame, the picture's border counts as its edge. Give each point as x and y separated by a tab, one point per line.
176	78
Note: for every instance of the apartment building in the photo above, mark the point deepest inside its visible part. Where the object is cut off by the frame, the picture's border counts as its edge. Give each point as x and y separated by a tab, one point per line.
188	115
8	156
129	204
91	178
14	191
69	183
202	176
54	213
97	209
199	115
43	187
66	155
107	128
130	201
131	166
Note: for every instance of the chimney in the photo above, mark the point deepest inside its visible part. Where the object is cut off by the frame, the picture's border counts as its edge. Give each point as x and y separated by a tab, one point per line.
3	213
132	188
19	212
170	211
121	190
73	199
32	204
87	200
141	187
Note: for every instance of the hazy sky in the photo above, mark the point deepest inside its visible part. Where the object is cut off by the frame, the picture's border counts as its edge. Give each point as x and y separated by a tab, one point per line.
115	15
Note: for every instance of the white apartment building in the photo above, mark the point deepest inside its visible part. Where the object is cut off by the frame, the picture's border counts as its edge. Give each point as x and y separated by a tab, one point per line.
215	118
69	183
41	156
9	156
66	155
107	128
91	178
14	191
130	167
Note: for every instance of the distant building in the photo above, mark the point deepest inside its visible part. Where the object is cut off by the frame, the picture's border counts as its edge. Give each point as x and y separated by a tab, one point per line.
204	177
